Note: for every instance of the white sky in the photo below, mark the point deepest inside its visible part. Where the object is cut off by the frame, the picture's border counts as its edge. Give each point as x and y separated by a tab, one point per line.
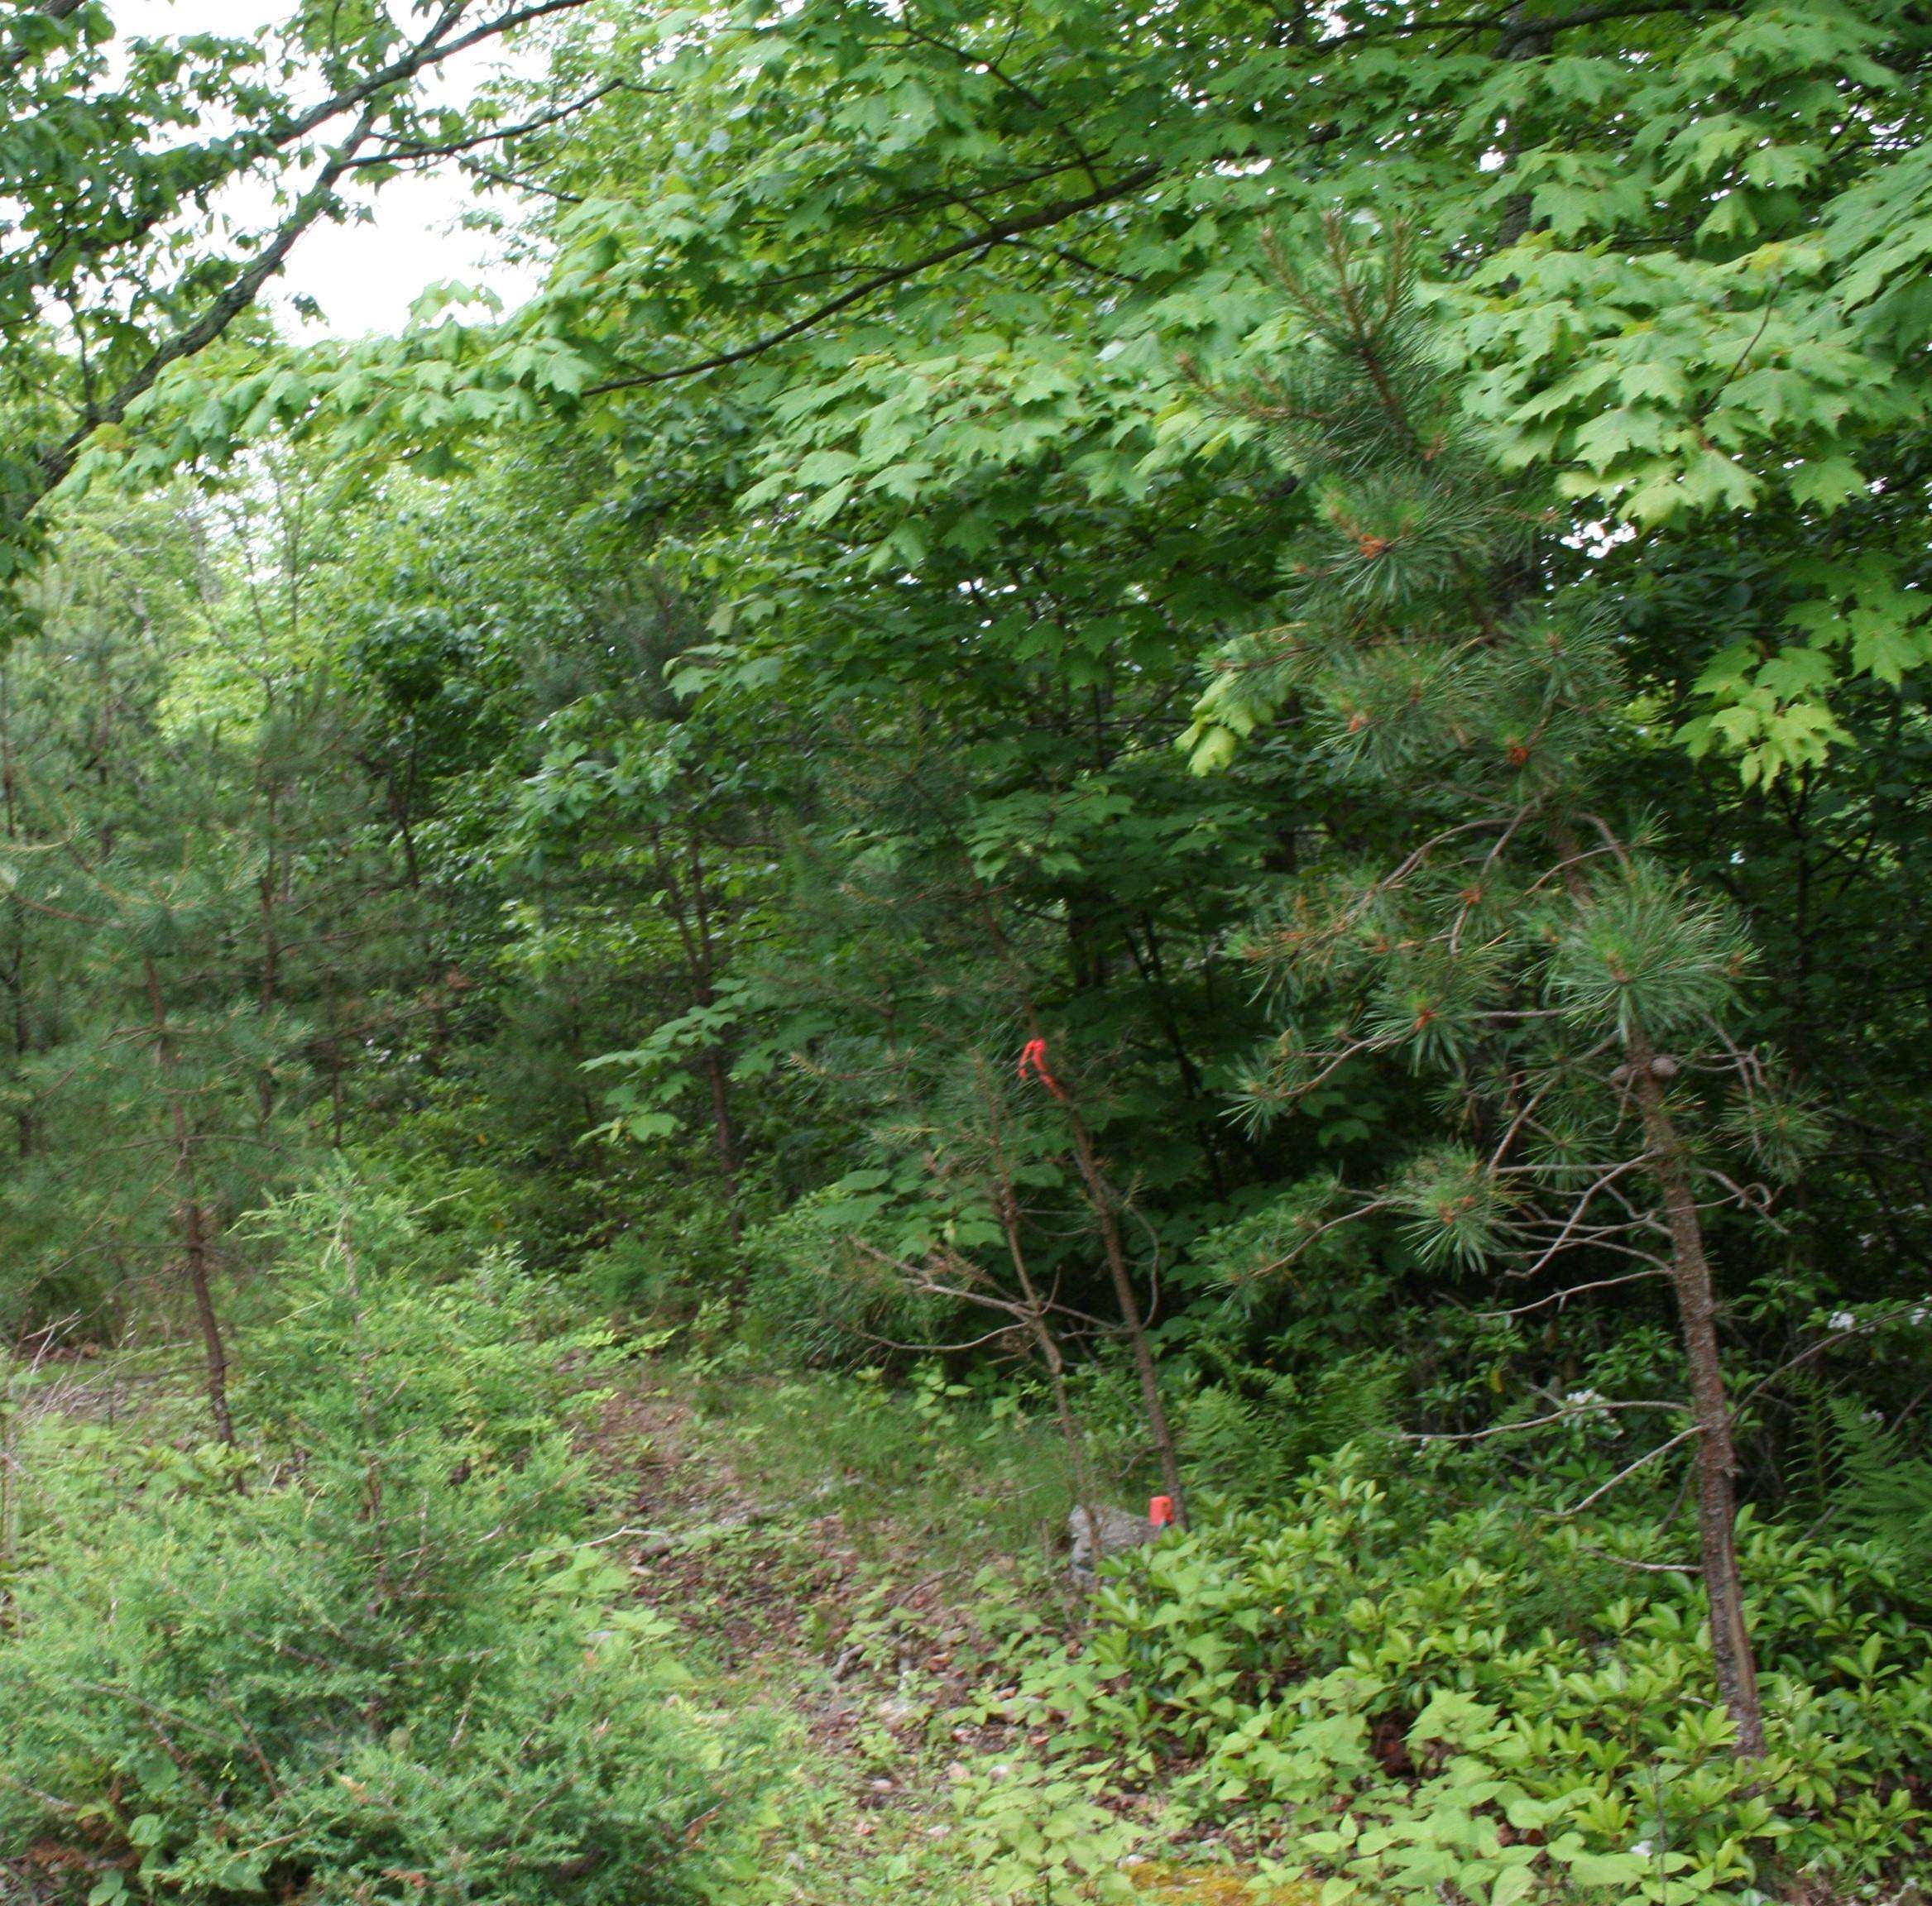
365	275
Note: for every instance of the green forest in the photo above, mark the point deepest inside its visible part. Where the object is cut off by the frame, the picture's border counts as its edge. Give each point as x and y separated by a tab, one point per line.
1045	1015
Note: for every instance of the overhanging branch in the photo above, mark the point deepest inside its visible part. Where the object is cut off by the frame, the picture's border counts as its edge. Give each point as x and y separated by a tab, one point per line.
999	231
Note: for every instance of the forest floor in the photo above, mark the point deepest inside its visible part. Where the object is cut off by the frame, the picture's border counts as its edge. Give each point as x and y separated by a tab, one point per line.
857	1631
760	1587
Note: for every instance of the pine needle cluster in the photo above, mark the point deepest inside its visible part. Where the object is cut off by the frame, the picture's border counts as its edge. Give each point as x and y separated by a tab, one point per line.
1430	660
1561	993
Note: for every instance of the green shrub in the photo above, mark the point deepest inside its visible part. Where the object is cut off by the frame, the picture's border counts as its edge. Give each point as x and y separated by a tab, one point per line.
1251	1437
1500	1705
385	1669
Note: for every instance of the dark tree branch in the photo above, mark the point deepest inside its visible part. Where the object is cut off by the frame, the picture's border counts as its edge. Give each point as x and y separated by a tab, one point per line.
432	50
242	292
996	234
374	92
411	152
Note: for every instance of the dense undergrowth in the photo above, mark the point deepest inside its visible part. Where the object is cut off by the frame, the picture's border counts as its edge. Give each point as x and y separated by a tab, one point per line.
1125	753
1369	1692
362	1654
488	1604
1358	1687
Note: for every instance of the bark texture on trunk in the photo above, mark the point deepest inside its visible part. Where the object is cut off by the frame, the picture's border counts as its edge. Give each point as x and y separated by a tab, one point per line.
1731	1654
1716	1463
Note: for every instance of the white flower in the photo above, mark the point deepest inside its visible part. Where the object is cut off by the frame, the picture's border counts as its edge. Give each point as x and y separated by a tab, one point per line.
1583	1399
1642	1849
1843	1320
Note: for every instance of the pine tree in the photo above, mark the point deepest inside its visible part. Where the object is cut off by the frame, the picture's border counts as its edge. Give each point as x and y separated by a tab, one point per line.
1528	950
197	914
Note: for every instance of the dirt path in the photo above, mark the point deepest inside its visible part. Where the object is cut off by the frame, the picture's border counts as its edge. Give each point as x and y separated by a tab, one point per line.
842	1658
851	1597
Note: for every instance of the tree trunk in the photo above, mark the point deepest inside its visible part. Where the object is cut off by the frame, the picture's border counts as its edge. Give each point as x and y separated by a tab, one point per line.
688	902
1050	1355
1716	1463
271	980
194	1236
1731	1654
195	1248
17	963
724	1137
1132	1323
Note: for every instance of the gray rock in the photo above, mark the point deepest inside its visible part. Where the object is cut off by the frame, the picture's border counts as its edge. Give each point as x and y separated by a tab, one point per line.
1104	1531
